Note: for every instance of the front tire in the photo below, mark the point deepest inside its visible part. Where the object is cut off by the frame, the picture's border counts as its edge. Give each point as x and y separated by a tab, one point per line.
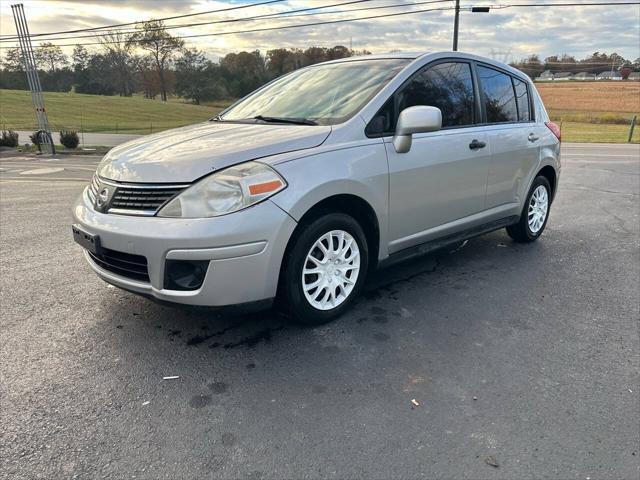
324	269
535	212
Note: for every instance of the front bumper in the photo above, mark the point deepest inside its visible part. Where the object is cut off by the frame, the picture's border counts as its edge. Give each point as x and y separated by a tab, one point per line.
244	250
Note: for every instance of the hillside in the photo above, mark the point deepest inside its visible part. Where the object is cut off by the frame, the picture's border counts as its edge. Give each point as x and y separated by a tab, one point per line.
96	113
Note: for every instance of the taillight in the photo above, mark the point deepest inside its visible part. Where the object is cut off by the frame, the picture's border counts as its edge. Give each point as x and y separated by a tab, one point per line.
555	129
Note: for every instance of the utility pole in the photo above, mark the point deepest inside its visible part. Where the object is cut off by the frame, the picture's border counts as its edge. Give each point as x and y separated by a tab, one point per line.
455	26
29	62
456	22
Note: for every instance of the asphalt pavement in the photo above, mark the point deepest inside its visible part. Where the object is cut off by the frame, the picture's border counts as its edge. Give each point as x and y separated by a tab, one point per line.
486	360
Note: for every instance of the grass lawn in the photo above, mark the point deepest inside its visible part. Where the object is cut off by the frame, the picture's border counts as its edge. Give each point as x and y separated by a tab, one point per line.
97	113
597	133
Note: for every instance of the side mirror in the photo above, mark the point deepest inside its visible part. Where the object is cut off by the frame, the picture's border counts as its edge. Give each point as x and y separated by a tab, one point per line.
418	119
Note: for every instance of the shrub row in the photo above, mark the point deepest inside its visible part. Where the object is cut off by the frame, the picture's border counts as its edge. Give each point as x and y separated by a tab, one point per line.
68	138
9	138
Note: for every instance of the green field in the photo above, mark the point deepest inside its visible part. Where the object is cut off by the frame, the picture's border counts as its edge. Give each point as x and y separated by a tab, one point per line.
596	132
97	113
595	127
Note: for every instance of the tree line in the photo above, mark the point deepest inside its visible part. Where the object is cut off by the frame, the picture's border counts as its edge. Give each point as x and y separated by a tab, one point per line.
153	62
595	63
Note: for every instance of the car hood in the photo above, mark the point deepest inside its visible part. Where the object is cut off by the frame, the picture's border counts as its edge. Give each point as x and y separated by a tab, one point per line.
185	154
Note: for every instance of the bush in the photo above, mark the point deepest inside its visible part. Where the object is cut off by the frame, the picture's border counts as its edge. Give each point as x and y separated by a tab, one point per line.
69	138
9	138
35	138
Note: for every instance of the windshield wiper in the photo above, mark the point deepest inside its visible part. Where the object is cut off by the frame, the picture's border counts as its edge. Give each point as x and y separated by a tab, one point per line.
294	121
217	118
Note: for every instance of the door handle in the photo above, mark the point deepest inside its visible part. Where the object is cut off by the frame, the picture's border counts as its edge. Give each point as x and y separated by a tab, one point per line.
533	137
475	145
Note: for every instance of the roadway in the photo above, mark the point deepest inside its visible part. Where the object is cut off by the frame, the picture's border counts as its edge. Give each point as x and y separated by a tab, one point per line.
522	356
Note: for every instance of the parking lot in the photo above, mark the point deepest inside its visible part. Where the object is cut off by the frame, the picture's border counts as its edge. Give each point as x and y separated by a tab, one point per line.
523	360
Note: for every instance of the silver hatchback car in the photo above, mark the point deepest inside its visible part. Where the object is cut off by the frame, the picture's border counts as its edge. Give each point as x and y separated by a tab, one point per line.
299	189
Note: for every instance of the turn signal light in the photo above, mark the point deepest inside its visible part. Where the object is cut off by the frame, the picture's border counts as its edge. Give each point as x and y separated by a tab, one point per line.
266	187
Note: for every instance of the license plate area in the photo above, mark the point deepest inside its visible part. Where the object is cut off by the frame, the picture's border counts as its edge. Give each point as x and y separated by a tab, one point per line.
86	240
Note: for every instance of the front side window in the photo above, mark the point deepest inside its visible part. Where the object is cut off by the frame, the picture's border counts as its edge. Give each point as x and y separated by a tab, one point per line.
322	94
448	86
499	96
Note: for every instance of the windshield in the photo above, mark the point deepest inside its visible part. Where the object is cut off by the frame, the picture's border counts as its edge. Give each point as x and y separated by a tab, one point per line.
323	94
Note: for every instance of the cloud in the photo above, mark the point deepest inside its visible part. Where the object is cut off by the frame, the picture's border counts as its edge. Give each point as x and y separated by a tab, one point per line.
516	32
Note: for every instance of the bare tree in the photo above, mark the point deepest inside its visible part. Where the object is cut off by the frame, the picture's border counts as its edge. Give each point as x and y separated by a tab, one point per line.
12	61
117	48
153	37
51	55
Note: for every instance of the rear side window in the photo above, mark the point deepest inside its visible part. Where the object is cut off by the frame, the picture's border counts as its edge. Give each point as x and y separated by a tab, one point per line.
448	86
522	99
499	95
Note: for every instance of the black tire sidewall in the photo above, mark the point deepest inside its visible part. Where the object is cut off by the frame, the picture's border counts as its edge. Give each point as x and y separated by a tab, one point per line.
296	303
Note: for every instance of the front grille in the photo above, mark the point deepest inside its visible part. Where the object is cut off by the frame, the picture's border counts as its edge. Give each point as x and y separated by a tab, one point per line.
145	199
93	189
123	264
109	196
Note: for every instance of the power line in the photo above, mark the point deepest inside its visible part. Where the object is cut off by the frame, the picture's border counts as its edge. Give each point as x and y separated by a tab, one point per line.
250	5
168	27
347	20
572	4
283	27
281	15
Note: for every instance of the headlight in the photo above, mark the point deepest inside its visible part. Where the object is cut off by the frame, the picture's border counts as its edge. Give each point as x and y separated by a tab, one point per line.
226	191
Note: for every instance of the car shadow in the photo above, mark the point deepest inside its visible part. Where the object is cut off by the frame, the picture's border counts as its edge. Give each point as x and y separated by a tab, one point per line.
220	330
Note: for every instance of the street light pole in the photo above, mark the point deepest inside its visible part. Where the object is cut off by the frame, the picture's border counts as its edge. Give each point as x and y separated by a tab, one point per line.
455	26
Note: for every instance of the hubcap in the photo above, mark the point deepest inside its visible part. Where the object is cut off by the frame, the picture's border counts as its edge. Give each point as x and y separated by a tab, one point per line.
538	208
331	270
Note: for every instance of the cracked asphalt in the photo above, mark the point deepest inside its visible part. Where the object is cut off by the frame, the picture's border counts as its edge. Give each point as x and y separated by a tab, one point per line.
489	353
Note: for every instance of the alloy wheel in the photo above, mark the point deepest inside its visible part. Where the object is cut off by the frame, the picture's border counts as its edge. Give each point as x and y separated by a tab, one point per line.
538	209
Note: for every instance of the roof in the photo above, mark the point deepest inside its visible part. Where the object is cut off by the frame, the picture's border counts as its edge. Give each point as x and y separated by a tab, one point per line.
378	56
416	55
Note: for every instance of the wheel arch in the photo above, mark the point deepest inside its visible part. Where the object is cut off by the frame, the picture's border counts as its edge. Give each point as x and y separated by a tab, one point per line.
349	204
549	172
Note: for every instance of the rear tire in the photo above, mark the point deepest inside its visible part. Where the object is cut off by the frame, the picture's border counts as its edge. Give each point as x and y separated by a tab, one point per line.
535	213
324	269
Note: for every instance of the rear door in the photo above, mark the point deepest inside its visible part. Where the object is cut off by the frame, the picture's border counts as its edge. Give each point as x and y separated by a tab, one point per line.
512	133
443	177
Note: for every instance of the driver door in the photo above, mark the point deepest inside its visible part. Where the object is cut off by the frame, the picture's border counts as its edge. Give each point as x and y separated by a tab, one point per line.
441	182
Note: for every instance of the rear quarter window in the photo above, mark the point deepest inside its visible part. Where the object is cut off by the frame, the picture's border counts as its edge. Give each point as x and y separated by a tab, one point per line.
522	100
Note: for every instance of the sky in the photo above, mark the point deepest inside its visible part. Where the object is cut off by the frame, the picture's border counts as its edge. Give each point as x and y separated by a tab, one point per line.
505	34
